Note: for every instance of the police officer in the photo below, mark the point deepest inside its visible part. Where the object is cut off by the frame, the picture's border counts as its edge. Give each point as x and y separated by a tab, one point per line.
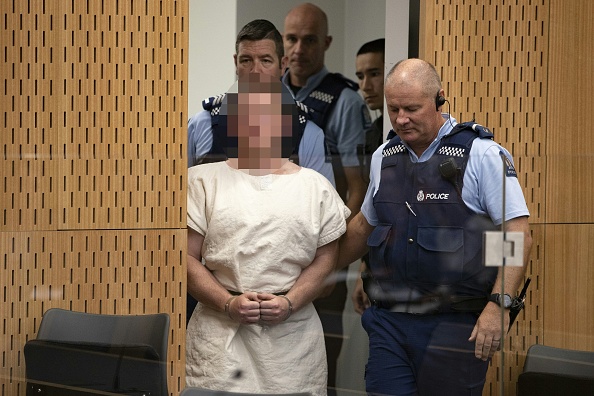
369	65
435	320
341	113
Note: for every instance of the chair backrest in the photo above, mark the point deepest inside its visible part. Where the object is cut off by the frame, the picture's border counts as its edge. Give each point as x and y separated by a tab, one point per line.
546	359
101	352
209	392
71	326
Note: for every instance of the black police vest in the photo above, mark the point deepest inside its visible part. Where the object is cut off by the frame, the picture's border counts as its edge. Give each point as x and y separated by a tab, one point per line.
428	242
219	130
320	102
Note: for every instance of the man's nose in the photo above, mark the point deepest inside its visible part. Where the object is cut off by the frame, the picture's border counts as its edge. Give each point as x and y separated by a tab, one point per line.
258	67
364	84
298	46
401	118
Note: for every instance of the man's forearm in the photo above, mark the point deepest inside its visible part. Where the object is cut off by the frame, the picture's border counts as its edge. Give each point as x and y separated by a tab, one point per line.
356	190
353	244
511	277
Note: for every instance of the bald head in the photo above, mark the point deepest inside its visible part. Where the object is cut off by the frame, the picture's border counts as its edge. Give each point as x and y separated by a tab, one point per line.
415	72
309	13
306	40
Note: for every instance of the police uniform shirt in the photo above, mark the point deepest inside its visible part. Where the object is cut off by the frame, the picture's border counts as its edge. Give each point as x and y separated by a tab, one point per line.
482	183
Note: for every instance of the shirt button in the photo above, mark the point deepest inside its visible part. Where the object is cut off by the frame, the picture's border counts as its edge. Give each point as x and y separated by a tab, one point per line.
410	240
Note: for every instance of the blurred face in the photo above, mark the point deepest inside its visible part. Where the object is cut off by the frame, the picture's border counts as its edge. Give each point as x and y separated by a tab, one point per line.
412	114
257	57
305	45
370	72
258	121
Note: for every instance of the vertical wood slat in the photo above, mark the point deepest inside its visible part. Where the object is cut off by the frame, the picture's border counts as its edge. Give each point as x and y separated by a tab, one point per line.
92	164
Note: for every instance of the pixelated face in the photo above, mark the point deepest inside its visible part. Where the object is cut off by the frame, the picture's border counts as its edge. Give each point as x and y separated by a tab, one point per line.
305	44
412	113
370	73
257	57
259	123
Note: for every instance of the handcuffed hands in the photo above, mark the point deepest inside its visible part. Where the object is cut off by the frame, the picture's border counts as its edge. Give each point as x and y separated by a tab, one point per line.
264	308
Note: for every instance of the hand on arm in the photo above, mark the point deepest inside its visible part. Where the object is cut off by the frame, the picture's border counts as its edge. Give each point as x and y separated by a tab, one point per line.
353	244
488	331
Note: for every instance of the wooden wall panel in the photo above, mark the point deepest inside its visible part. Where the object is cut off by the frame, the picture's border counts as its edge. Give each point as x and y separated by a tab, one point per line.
120	118
94	117
568	308
92	165
493	60
570	144
27	142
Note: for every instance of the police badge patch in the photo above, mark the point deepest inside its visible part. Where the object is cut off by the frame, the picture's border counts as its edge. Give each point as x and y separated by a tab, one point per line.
510	171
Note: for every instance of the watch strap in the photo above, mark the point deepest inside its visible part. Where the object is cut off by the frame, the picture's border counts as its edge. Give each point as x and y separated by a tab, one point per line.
496	298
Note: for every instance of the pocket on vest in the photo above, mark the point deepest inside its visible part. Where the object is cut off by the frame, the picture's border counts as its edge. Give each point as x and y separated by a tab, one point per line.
441	254
378	241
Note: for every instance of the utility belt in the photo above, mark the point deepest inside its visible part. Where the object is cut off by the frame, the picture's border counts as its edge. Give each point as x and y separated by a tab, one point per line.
424	305
434	305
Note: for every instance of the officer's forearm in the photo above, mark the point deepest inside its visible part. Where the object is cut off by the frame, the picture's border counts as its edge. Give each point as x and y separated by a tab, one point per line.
356	190
353	243
510	280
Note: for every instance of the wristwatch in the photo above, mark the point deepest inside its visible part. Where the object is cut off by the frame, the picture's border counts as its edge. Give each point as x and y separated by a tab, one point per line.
504	302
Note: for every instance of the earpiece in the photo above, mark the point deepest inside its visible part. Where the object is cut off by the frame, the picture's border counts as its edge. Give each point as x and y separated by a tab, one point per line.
439	101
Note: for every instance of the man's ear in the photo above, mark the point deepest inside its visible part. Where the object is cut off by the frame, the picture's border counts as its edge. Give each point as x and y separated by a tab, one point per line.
328	41
284	63
235	62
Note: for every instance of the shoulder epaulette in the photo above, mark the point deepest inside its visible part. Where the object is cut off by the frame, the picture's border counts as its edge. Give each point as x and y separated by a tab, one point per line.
393	149
213	103
482	131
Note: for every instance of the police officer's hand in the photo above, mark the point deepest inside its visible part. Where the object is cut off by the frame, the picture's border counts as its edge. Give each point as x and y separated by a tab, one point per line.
360	299
488	331
245	308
